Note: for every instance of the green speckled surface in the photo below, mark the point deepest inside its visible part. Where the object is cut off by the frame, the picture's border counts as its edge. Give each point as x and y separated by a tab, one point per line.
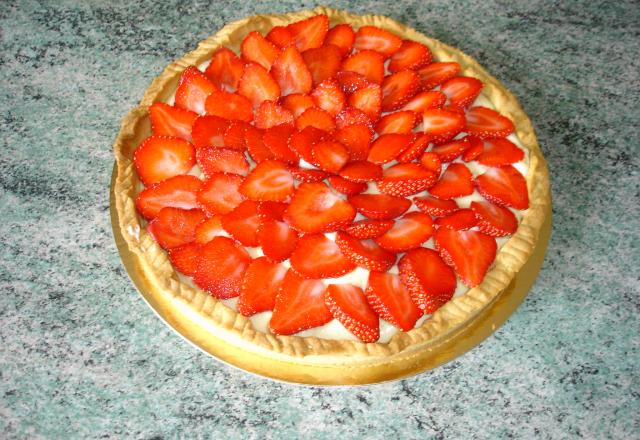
81	354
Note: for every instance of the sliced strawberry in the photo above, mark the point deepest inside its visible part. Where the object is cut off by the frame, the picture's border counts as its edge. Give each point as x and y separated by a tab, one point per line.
221	160
257	49
430	282
379	206
260	285
309	33
242	223
431	161
229	105
486	123
398	88
408	232
280	36
234	136
361	171
270	114
193	89
255	145
345	186
268	181
308	175
209	130
276	139
476	147
330	156
302	141
328	96
460	220
174	227
272	210
374	38
494	220
388	146
277	239
365	253
451	150
390	299
435	207
456	181
436	73
291	73
368	63
398	122
315	208
221	267
323	62
341	36
425	100
258	85
225	69
417	147
504	186
469	253
297	103
368	100
209	229
219	194
348	305
405	179
315	117
177	192
352	116
160	157
411	55
462	90
316	256
167	120
299	305
351	81
364	229
442	125
499	152
185	257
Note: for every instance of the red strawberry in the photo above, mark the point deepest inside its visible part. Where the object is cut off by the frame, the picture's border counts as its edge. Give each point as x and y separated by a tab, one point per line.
499	152
302	141
193	89
258	85
364	229
280	36
460	220
348	305
405	179
442	125
456	181
276	139
270	114
185	257
315	208
234	135
398	89
425	100
341	36
361	171
209	229
462	90
411	55
451	150
357	138
208	131
316	256
255	144
221	160
323	62
299	305
408	232
398	122
309	33
330	156
277	239
329	97
291	73
374	38
435	207
469	253
476	146
379	206
260	285
177	192
486	123
436	73
430	282
272	210
160	157
297	103
308	175
351	81
219	194
504	186
225	69
388	146
174	227
391	300
352	116
417	147
431	161
365	253
167	120
242	223
255	48
494	220
368	63
368	100
315	117
220	268
345	186
229	106
268	181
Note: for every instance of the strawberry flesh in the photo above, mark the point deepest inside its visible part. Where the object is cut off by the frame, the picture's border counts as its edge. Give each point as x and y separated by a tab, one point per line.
364	229
315	208
160	157
175	227
390	299
379	206
504	186
268	181
219	194
176	192
316	256
469	253
494	220
408	232
277	239
220	268
348	304
167	120
365	253
221	160
430	282
405	179
456	181
260	285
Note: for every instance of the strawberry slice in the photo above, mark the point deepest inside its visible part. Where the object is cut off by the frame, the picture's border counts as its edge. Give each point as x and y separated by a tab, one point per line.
270	114
257	49
219	194
268	181
388	146
456	181
299	305
504	186
323	62
193	89
329	97
486	123
209	229
436	73
176	192
364	229
494	220
221	160
499	152
280	36
469	253
368	100
242	223
431	161
365	253
460	220
277	239
330	156
291	73
461	91
408	232
174	227
234	135
351	81
348	305
272	210
411	55
417	147
297	103
391	300
425	100
357	138
220	268
309	33
352	116
476	147
341	36
315	117
345	186
398	89
361	171
398	122
301	142
260	285
405	179
276	139
308	175
225	69
379	206
452	149
258	85
160	157
185	257
315	208
208	131
442	125
229	105
374	38
435	207
316	256
167	120
255	144
430	282
367	63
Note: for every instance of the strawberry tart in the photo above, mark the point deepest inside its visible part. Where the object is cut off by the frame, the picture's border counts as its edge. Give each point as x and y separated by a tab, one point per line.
329	189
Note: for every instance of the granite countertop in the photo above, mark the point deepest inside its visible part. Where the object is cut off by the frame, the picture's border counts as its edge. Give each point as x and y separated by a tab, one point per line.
81	354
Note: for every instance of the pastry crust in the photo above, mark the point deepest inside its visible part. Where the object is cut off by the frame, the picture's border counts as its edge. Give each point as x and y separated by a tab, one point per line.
226	323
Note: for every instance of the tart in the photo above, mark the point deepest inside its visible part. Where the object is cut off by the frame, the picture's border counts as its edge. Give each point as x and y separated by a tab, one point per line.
328	189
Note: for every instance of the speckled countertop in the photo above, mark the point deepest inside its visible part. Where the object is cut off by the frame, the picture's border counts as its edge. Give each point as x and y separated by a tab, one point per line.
81	354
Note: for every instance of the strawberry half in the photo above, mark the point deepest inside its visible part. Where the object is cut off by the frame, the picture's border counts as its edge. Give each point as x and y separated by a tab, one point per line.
255	144
425	100
390	299
361	171
430	282
280	36
411	55
221	160
461	91
476	146
272	210
193	89
408	232
494	220
379	206
167	120
435	207
365	253
315	208
316	256
242	223
229	106
405	179
234	135
160	157
301	142
398	122
442	125
220	268
460	220
257	49
209	229
176	192
260	285
342	36
219	194
291	73
309	33
352	116
368	100
398	88
431	161
174	227
268	181
436	73
451	150
374	38
323	62
499	152
276	139
297	103
367	63
351	81
485	123
330	156
258	85
315	117
504	186
388	146
417	147
364	229
329	97
225	69
208	131
348	304
270	114
308	175
277	239
357	138
345	186
456	181
185	258
469	253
